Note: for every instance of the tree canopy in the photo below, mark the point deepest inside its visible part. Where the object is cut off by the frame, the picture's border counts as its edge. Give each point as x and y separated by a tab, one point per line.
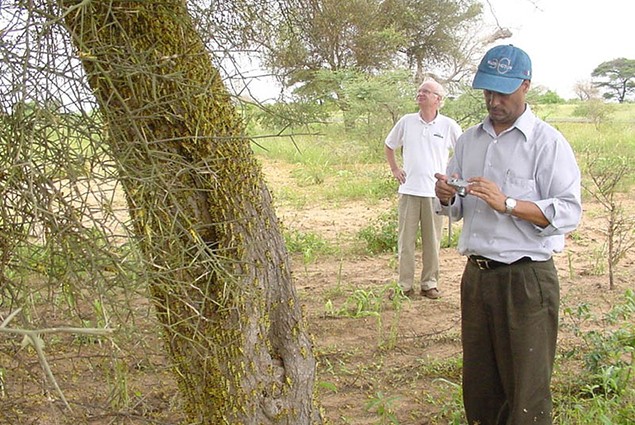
367	36
616	77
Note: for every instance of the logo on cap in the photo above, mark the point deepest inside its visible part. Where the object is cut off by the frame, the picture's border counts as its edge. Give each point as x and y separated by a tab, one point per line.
502	65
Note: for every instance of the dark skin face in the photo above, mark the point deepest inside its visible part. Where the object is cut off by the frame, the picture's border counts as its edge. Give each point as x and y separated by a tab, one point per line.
504	109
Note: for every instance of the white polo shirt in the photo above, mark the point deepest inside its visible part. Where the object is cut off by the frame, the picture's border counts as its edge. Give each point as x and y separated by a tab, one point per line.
426	149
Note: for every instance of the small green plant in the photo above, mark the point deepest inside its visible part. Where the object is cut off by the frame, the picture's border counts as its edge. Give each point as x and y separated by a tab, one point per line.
87	338
447	368
451	238
311	174
610	350
576	236
309	244
570	265
450	410
3	377
328	386
603	394
370	303
119	388
598	258
361	303
383	406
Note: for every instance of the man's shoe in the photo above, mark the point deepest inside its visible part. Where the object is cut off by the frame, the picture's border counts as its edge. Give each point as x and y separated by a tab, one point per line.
432	293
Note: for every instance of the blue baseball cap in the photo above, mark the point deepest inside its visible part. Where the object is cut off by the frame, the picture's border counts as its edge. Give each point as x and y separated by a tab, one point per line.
503	69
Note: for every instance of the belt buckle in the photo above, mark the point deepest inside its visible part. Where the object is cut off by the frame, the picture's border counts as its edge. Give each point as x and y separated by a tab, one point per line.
482	263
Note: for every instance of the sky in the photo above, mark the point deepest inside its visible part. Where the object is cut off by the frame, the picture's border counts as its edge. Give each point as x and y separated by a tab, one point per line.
567	39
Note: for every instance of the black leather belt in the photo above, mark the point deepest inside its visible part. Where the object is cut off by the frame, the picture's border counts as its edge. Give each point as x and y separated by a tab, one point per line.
485	263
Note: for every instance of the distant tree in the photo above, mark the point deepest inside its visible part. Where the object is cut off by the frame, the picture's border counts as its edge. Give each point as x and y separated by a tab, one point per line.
540	95
608	175
381	98
331	35
467	109
586	90
377	102
616	77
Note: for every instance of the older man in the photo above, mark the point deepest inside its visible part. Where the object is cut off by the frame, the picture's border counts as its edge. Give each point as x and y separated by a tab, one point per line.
426	137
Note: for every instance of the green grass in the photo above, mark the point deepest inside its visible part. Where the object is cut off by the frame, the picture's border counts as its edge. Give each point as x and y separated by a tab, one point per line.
332	172
603	393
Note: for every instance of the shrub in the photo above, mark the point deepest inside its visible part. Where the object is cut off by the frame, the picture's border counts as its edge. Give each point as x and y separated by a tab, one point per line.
381	234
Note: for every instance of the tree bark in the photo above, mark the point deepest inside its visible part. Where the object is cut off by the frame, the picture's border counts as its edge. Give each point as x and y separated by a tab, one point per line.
203	217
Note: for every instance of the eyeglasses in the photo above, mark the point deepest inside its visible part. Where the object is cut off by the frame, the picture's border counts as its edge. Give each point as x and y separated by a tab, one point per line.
429	92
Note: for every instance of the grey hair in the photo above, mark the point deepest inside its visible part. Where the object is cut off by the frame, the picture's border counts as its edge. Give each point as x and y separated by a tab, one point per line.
439	89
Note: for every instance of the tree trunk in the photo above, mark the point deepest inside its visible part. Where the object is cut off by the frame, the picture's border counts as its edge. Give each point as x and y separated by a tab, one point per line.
203	217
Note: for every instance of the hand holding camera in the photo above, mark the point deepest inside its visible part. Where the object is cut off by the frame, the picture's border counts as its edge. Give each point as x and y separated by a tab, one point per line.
460	185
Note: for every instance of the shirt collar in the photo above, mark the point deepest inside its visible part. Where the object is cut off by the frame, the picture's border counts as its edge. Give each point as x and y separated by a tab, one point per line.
524	123
426	122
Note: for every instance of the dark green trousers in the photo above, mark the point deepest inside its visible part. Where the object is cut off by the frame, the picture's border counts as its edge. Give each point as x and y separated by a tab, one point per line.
509	329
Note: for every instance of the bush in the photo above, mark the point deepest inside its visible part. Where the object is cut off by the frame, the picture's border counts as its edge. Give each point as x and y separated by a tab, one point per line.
381	234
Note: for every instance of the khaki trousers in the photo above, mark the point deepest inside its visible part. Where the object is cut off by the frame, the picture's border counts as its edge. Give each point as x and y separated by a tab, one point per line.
509	324
416	213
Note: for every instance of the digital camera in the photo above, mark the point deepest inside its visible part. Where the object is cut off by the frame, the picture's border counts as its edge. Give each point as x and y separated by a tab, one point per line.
460	186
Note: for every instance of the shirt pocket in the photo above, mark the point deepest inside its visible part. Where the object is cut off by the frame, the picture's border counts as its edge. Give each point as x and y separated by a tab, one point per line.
519	187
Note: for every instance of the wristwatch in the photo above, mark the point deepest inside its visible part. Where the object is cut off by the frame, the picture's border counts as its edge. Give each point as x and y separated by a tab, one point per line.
510	204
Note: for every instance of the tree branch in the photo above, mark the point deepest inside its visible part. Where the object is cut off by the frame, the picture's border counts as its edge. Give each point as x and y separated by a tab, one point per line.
33	337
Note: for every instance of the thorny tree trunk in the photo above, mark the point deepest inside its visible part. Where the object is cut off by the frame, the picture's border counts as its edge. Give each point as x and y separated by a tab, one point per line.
202	213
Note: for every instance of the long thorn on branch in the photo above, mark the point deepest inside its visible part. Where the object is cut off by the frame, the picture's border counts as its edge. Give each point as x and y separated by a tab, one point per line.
33	337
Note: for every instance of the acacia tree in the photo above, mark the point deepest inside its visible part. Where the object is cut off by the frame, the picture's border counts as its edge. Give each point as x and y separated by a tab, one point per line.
617	77
202	213
367	35
211	246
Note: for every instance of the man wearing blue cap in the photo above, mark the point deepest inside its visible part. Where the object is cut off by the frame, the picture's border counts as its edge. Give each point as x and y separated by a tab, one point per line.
523	196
